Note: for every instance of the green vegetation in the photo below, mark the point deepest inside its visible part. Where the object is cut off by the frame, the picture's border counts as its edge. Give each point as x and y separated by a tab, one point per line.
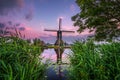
19	60
99	16
95	62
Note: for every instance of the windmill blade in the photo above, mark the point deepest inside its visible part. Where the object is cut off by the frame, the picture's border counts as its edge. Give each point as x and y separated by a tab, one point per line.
60	19
50	30
68	31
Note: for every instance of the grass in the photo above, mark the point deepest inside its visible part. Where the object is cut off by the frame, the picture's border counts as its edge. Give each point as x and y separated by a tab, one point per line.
19	60
95	62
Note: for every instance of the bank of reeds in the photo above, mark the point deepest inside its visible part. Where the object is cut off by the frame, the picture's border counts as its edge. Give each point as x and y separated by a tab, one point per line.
95	62
19	60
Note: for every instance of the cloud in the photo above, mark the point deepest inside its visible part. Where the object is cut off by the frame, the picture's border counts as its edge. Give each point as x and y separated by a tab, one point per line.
22	28
2	25
72	7
30	11
10	27
10	22
10	5
29	15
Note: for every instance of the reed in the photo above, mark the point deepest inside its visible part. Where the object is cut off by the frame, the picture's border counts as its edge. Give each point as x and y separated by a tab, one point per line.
19	60
95	62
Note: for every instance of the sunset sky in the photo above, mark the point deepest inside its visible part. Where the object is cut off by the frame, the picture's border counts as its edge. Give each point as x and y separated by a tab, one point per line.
36	15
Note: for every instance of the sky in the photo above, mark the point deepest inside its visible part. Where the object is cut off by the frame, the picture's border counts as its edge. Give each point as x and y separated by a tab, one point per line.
33	16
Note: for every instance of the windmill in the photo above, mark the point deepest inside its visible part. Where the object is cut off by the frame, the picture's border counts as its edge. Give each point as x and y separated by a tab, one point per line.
59	41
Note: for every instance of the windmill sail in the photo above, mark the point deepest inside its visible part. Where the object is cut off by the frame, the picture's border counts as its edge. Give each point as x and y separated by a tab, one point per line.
50	30
59	40
68	31
60	24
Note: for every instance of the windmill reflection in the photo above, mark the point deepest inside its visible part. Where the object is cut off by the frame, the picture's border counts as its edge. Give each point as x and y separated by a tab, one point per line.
60	74
59	52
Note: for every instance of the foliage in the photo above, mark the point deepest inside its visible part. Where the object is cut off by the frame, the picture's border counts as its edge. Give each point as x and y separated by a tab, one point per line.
38	42
99	16
95	62
19	60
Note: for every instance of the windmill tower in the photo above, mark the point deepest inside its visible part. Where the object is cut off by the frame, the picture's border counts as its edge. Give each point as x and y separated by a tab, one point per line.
59	41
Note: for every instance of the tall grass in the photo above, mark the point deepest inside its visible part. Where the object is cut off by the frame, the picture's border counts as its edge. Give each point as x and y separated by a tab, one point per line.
95	62
19	60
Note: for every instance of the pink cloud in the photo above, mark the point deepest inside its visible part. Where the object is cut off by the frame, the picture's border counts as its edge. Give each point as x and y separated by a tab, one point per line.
25	31
86	32
31	32
72	28
68	28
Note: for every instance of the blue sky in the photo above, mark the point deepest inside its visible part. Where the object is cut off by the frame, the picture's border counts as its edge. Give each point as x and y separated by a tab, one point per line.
37	15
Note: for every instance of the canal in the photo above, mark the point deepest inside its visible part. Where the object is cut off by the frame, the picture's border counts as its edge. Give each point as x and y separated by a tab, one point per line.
58	66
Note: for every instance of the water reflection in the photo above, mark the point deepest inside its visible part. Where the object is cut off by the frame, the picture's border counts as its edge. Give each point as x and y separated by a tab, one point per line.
52	56
59	52
57	72
58	57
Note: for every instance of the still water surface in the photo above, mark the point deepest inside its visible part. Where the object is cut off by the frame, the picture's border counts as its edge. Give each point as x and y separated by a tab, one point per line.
56	71
52	56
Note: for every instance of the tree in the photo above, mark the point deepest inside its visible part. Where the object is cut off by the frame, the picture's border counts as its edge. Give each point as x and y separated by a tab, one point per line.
100	16
37	41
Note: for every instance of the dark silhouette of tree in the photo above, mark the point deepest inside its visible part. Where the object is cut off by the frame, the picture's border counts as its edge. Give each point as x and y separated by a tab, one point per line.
37	41
100	16
28	40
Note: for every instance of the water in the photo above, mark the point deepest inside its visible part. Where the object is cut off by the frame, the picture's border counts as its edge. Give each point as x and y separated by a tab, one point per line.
58	70
52	56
